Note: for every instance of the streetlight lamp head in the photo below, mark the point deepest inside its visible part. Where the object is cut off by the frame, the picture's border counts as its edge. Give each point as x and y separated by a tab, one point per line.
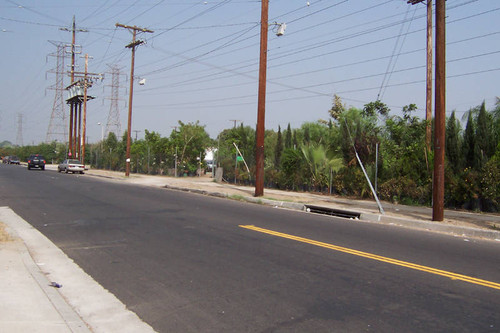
281	29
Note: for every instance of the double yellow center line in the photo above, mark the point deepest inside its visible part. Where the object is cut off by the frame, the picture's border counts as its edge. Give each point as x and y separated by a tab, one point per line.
451	275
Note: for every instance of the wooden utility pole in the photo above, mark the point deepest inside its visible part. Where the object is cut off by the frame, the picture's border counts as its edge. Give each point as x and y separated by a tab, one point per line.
73	107
440	113
85	86
131	46
78	122
428	105
261	108
440	102
136	131
234	122
73	33
428	99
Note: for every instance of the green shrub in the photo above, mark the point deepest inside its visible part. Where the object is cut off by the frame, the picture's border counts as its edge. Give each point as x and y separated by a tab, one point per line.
404	190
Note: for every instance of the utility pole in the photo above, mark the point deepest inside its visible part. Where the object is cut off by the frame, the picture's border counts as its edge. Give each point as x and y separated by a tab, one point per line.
131	46
234	122
136	131
78	96
440	102
73	39
73	46
428	98
73	106
85	85
440	117
428	105
261	107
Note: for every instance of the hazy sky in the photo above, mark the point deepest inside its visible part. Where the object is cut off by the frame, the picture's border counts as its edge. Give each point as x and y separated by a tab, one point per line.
201	62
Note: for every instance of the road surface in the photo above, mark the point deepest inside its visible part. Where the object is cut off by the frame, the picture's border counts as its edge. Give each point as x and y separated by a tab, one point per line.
189	263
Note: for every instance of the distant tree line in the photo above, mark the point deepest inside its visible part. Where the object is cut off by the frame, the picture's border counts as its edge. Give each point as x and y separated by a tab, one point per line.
324	156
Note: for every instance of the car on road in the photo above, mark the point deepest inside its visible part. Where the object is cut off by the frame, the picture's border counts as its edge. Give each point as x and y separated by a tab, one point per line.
36	161
14	160
71	165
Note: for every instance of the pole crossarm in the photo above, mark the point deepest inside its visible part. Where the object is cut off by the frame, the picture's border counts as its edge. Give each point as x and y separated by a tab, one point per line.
134	44
133	27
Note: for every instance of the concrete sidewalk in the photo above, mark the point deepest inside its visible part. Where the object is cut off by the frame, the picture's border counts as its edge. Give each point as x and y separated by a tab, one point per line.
28	303
30	263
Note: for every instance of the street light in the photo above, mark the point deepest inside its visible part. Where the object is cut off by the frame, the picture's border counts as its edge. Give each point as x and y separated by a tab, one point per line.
102	131
102	139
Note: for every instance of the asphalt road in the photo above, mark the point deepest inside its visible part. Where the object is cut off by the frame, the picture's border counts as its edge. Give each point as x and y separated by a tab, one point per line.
185	263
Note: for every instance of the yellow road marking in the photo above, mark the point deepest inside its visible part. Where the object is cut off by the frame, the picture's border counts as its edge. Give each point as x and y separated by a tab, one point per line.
451	275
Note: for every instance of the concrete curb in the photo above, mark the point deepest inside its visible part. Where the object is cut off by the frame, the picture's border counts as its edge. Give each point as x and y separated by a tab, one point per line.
433	226
81	296
267	202
67	313
365	217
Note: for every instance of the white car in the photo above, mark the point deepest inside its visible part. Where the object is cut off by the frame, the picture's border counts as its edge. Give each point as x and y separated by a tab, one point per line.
71	166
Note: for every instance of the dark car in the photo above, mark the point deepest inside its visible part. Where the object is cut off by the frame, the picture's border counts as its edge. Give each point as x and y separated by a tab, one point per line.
14	160
36	161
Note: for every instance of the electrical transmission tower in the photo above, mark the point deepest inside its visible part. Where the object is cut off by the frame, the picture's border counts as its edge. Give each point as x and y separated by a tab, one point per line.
57	129
19	137
113	124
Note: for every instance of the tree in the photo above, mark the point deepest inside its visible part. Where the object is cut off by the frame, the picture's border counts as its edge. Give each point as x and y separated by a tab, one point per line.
490	180
372	108
244	137
403	148
292	168
111	151
288	137
337	107
313	132
192	140
156	151
360	130
278	150
307	136
496	121
453	143
319	162
470	148
484	132
407	110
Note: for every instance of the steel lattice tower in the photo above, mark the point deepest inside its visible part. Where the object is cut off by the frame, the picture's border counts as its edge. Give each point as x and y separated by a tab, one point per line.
113	124
57	129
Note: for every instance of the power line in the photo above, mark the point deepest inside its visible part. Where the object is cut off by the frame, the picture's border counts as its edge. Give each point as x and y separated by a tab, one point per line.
337	40
234	72
318	94
224	2
391	65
